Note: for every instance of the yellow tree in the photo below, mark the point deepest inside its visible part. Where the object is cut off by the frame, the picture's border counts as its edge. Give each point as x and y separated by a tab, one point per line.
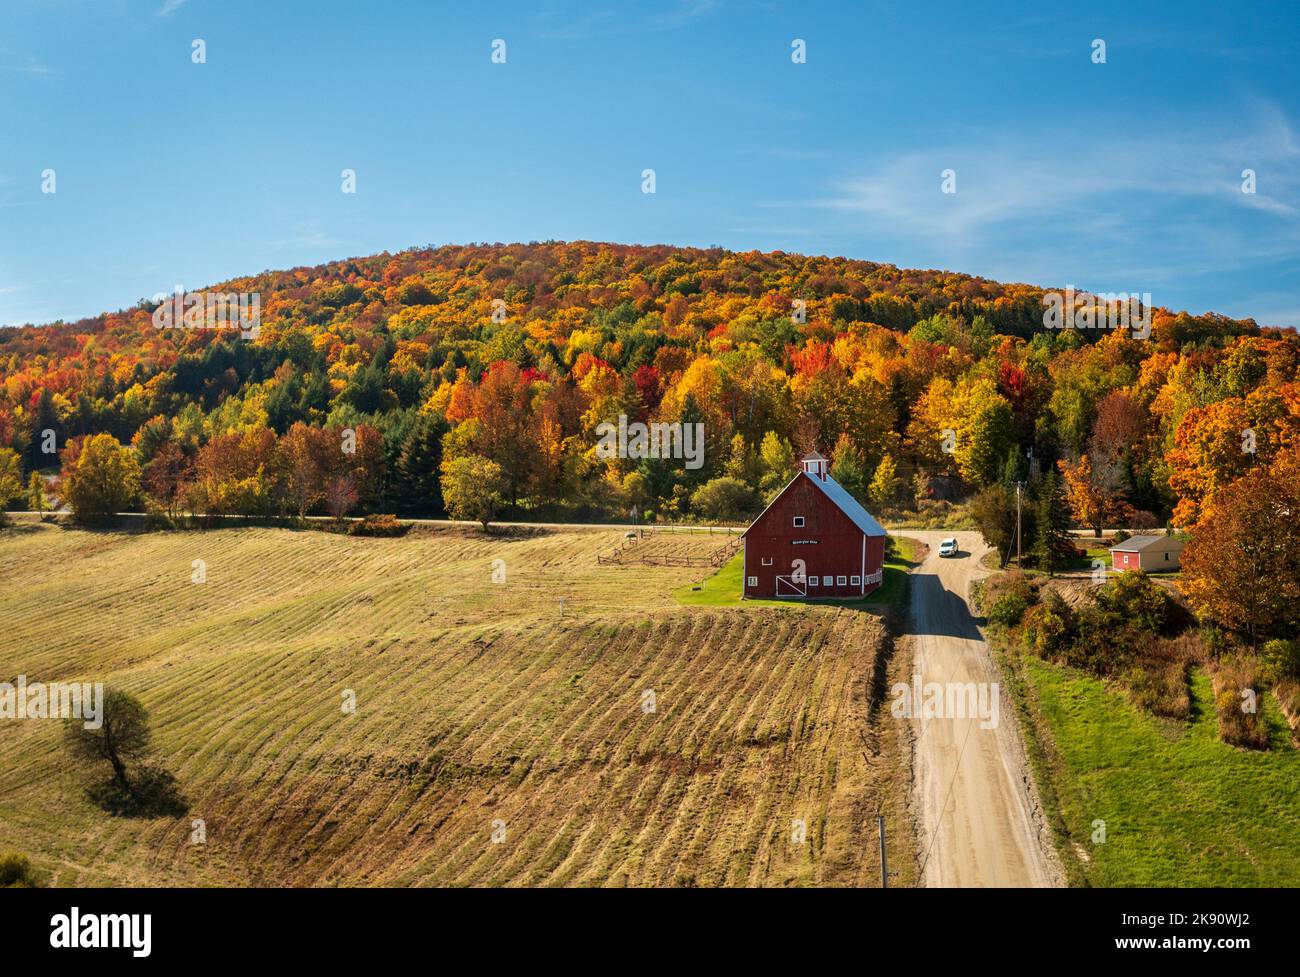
1213	446
101	478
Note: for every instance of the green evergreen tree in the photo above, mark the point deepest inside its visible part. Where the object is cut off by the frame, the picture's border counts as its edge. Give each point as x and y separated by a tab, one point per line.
416	488
1052	534
1015	468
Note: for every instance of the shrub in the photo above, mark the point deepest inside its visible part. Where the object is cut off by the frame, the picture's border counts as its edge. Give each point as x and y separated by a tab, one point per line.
1049	627
1280	660
1159	685
1008	609
723	498
1141	688
1007	597
1104	646
1012	581
16	872
1215	640
1133	598
1288	697
379	525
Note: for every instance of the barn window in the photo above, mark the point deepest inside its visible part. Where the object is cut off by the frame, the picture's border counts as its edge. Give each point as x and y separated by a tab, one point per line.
828	580
753	582
767	561
841	581
1166	557
798	522
812	581
855	580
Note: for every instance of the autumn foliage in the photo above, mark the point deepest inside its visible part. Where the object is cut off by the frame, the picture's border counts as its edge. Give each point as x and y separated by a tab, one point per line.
517	353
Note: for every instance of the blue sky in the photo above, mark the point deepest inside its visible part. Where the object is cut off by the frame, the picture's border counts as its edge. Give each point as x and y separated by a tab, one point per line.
1123	176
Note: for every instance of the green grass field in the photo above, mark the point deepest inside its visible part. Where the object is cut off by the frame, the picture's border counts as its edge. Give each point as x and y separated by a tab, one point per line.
479	700
723	587
1180	807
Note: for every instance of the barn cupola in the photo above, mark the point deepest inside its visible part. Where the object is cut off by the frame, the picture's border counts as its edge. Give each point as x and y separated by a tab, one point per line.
815	465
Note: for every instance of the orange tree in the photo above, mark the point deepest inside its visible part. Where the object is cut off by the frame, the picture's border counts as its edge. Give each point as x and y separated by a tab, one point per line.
1242	566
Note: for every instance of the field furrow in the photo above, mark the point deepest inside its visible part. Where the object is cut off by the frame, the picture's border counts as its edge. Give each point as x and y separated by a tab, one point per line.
495	740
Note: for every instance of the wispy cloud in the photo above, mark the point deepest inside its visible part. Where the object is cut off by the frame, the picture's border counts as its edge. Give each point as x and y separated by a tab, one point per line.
307	233
34	67
170	7
1086	204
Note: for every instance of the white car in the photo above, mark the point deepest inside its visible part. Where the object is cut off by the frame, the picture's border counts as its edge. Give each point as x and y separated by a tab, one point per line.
948	547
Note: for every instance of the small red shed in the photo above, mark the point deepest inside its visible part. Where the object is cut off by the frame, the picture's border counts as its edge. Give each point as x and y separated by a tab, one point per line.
813	540
1147	553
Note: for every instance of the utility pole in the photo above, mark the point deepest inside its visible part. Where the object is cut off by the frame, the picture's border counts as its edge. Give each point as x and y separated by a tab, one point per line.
884	868
1019	485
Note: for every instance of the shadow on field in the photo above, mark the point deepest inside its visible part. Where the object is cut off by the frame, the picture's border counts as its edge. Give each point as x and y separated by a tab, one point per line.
153	793
15	528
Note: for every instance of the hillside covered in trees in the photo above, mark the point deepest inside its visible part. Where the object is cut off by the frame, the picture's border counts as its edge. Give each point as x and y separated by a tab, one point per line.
509	357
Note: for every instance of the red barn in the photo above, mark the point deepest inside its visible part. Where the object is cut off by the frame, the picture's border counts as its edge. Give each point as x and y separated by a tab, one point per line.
814	540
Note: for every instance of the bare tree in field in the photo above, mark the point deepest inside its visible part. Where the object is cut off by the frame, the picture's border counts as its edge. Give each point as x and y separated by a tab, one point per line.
123	737
122	742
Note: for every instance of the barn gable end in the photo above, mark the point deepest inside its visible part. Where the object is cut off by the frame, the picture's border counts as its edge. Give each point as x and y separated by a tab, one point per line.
813	540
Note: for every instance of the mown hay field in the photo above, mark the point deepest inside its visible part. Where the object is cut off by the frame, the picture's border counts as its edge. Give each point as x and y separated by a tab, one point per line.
497	738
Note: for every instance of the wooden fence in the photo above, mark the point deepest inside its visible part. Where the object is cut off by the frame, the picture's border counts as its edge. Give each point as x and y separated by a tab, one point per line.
628	553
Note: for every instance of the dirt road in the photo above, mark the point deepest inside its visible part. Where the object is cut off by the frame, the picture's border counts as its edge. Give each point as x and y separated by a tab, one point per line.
975	803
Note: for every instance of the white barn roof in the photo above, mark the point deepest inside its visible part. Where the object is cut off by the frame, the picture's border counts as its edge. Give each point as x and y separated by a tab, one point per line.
1136	544
847	504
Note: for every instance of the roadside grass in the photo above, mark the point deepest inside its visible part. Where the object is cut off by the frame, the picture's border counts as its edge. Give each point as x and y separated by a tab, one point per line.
478	700
1181	808
723	587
